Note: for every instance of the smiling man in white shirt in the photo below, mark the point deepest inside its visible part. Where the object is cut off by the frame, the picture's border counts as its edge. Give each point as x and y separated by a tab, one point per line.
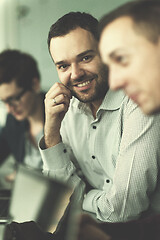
99	135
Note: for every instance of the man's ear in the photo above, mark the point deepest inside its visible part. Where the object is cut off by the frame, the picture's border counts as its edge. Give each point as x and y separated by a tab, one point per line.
36	85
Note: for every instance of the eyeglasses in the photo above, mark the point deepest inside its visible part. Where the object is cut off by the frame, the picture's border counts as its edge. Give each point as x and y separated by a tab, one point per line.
12	101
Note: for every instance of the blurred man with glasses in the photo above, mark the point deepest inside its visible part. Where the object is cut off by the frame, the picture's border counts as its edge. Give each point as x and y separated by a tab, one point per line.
20	93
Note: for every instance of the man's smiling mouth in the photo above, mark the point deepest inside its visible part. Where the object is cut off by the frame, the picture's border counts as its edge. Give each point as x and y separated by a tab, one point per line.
83	84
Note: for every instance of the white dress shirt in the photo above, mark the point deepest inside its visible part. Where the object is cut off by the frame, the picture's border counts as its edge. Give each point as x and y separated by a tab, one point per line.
32	158
118	152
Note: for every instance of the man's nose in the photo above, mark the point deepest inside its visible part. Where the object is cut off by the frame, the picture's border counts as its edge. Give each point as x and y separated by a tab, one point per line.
76	71
116	81
9	107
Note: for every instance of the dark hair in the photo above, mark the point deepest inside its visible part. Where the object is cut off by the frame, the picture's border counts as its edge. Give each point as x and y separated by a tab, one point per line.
145	16
71	21
18	66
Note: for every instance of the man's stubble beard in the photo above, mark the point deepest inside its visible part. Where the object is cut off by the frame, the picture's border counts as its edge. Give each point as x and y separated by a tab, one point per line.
101	88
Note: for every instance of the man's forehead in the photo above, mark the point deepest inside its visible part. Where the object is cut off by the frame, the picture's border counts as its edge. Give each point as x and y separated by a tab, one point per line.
116	34
8	89
72	44
118	27
73	36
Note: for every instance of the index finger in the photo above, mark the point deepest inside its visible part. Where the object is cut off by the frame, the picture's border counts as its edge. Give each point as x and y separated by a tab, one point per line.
57	89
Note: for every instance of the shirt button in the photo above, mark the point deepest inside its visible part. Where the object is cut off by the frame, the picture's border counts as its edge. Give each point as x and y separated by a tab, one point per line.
107	181
93	157
94	127
65	150
79	172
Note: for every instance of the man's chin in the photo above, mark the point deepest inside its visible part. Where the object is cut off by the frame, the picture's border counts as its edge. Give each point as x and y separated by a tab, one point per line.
89	98
85	98
18	117
150	108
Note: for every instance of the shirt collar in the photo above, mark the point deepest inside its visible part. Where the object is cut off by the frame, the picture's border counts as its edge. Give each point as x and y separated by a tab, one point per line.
111	101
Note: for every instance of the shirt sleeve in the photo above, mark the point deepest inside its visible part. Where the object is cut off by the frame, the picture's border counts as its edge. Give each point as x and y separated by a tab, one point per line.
57	163
135	180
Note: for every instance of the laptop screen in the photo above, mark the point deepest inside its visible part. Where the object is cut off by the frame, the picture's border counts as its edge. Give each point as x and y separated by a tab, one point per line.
4	204
38	198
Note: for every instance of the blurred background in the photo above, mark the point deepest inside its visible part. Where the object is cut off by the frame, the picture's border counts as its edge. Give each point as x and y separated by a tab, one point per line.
24	25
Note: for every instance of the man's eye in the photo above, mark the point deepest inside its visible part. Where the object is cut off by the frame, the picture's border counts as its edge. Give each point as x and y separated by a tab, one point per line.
87	58
62	67
17	98
121	59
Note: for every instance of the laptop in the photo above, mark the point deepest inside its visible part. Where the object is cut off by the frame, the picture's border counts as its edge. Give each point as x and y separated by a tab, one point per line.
4	208
42	199
5	195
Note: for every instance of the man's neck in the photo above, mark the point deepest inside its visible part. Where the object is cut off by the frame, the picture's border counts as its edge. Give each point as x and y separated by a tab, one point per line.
36	120
94	106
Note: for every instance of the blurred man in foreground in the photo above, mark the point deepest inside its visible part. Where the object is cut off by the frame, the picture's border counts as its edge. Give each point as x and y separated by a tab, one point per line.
130	47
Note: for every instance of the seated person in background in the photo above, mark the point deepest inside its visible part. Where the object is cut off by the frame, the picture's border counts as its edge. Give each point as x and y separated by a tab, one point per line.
130	47
20	92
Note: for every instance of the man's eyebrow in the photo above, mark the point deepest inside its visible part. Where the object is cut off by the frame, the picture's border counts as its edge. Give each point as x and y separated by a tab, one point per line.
86	52
115	52
91	51
8	98
59	63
